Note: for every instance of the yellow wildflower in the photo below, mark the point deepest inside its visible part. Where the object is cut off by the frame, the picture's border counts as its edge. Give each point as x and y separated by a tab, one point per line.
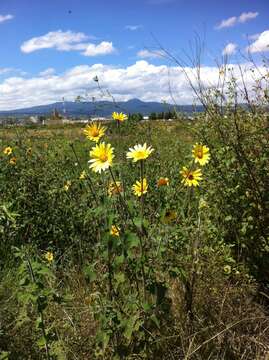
13	161
114	231
49	256
94	131
102	156
227	269
140	188
114	189
139	152
163	182
7	150
200	153
191	177
67	185
119	116
82	176
29	151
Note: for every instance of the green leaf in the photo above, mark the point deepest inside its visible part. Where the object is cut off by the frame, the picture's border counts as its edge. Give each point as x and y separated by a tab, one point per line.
90	273
119	277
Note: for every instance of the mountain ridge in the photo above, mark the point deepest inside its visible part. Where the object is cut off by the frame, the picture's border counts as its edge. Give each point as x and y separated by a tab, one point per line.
99	108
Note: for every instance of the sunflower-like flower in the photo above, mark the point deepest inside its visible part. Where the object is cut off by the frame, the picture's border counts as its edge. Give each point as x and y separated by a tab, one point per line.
163	182
13	161
191	177
140	188
101	157
49	256
7	150
114	188
119	116
139	152
114	231
201	154
94	131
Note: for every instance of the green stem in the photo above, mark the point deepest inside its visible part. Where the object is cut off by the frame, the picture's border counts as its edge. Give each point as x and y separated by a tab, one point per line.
39	311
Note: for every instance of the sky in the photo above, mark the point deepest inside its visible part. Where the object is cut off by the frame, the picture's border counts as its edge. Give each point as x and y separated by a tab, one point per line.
53	49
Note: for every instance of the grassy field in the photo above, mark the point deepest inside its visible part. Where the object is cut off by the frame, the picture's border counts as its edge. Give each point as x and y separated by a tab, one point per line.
89	270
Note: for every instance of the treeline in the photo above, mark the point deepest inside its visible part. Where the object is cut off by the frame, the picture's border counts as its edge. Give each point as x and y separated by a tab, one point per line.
154	116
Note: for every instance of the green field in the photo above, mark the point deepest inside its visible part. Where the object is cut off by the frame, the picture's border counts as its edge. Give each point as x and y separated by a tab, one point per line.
185	276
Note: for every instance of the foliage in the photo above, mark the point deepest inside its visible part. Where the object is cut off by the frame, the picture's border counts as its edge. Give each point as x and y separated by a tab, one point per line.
178	277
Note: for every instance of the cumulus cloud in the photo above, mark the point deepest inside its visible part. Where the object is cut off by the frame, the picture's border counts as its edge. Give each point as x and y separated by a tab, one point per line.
261	44
67	41
231	21
229	49
103	48
133	27
4	18
60	40
144	54
141	80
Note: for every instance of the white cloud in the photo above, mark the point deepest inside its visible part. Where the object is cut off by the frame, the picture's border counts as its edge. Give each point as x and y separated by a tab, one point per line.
103	48
140	80
229	49
261	44
4	18
133	27
244	17
227	23
60	40
148	54
48	72
67	41
5	70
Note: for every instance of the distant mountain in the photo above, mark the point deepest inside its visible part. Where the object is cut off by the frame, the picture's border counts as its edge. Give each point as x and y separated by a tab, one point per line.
99	108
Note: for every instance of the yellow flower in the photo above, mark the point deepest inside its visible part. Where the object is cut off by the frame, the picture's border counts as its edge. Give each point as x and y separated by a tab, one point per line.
140	188
29	151
227	269
169	216
102	156
82	176
67	185
202	204
94	131
7	150
163	182
139	152
191	177
114	189
49	256
114	231
13	161
119	116
200	153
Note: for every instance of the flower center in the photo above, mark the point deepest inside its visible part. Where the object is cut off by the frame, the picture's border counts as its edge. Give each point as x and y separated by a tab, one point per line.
190	177
200	153
95	133
103	157
140	154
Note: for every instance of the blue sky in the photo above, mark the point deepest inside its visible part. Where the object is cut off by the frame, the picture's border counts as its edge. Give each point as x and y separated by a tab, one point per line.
49	40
